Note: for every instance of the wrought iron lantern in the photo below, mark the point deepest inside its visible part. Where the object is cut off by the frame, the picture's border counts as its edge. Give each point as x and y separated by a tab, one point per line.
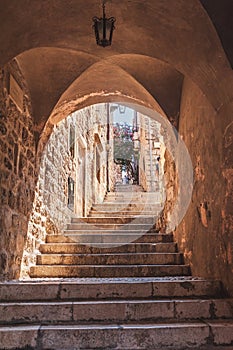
103	28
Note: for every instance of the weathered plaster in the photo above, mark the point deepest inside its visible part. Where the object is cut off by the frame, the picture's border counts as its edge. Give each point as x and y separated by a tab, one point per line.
205	235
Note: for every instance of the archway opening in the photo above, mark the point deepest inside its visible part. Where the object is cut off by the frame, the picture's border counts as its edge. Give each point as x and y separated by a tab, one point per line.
104	148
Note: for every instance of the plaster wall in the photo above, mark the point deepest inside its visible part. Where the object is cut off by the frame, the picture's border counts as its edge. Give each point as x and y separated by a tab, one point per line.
205	234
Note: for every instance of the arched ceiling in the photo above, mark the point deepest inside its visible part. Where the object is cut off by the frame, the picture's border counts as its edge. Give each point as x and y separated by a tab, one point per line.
155	44
81	93
49	81
221	14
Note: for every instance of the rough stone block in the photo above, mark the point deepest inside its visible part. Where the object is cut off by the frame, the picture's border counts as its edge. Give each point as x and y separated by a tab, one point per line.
10	291
223	308
147	310
192	309
186	287
35	312
222	332
99	311
18	337
105	290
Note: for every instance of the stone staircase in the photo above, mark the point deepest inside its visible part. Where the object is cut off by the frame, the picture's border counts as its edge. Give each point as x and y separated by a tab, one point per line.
117	239
113	282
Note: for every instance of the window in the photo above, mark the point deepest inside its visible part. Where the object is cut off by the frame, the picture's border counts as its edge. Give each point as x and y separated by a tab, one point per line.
72	140
97	164
70	193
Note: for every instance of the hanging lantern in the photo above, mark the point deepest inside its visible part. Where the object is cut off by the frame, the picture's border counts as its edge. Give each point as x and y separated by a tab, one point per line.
103	29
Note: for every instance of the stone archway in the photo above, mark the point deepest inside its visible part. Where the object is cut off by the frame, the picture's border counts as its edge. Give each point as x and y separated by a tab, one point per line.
51	214
183	36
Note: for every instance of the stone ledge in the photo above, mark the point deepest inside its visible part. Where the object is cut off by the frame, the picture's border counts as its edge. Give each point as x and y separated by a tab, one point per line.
97	288
148	336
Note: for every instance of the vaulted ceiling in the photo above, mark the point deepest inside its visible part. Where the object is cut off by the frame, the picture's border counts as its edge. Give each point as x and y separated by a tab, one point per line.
155	44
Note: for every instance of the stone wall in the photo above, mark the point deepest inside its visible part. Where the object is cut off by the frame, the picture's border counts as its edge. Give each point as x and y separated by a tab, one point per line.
205	234
91	130
69	156
17	171
171	193
150	177
50	211
112	167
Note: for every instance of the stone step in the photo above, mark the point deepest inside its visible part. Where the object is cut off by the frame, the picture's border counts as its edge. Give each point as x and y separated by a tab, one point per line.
155	202
150	220
127	195
134	187
104	226
109	270
95	248
111	259
129	198
131	195
110	288
114	311
200	335
116	207
126	200
108	237
119	237
125	188
123	214
127	207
